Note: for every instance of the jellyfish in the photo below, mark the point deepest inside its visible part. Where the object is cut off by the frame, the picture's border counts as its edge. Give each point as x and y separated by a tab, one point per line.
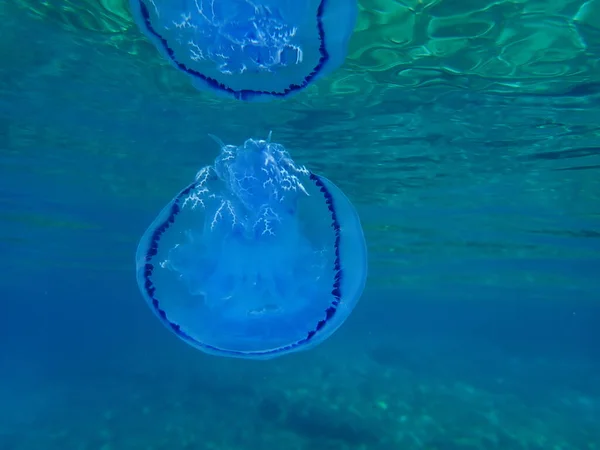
249	49
257	258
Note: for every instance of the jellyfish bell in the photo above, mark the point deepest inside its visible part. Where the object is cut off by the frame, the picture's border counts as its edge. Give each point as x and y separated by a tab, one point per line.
257	258
253	50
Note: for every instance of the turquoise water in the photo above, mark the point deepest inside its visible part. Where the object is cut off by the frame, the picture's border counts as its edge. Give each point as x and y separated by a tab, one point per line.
479	192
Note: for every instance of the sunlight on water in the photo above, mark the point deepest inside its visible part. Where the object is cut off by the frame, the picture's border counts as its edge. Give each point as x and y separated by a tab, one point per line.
508	46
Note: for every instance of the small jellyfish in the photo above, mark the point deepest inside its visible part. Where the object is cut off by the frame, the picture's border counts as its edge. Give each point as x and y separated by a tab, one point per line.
250	49
257	258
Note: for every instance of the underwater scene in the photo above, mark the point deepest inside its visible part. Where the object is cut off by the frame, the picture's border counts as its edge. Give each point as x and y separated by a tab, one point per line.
300	225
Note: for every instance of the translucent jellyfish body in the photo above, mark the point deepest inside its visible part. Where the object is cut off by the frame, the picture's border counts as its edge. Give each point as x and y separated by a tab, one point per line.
257	258
250	49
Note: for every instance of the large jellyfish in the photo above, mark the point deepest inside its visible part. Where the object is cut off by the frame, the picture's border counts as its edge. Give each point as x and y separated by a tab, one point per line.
257	258
250	49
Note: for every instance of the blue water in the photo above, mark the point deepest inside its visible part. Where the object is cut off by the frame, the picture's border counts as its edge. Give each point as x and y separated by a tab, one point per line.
480	323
